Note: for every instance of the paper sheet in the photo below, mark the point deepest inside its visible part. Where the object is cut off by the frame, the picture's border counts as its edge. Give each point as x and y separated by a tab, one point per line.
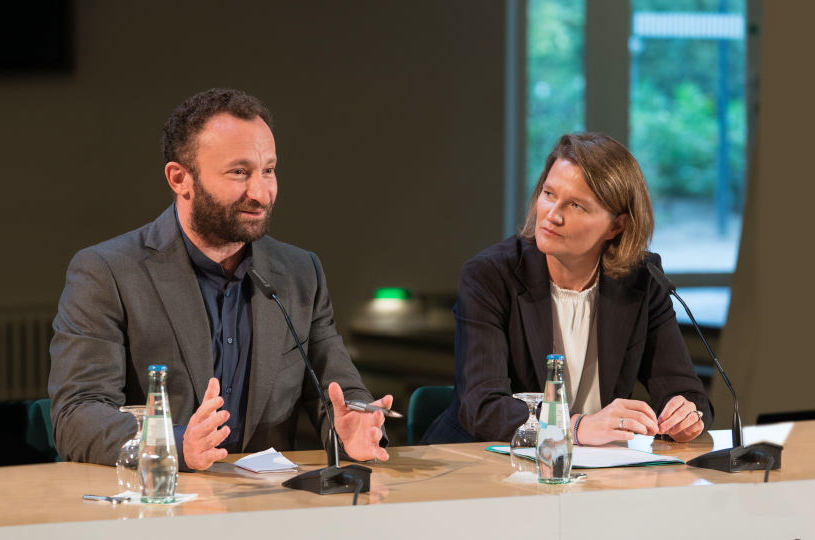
597	457
267	461
774	433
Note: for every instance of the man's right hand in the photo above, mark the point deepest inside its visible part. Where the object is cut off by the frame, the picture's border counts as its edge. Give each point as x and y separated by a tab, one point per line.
202	434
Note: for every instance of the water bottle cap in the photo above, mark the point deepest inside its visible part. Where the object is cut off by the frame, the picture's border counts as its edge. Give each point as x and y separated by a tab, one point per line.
156	367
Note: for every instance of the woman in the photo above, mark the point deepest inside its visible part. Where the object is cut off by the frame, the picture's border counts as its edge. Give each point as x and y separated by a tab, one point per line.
574	282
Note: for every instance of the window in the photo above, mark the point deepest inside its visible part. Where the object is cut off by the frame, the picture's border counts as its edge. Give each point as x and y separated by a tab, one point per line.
687	123
688	128
555	79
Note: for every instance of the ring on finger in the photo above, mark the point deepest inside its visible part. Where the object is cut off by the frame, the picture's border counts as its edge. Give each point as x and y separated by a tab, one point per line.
699	414
620	425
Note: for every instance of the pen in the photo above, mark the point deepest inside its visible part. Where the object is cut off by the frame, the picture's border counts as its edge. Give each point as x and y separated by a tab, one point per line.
355	405
114	500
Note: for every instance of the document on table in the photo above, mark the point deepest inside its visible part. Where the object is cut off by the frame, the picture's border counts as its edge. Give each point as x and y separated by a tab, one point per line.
773	433
598	457
267	461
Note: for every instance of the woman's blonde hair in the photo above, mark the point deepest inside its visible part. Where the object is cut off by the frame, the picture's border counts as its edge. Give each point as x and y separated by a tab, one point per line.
615	178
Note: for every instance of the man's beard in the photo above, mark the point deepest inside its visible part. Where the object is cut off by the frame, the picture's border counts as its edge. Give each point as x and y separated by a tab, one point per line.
220	224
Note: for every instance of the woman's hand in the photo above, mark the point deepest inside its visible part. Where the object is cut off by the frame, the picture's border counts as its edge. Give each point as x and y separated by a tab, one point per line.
618	421
679	419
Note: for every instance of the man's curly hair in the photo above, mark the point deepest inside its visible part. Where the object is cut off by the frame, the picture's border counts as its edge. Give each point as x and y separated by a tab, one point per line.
178	136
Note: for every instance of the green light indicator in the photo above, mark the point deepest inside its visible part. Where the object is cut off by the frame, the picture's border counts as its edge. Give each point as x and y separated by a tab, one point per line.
393	293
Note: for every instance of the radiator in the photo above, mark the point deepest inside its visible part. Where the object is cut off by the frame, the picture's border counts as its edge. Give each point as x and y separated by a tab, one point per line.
25	334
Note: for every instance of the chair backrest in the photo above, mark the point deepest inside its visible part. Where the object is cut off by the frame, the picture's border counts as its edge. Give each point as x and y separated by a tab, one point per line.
426	403
40	433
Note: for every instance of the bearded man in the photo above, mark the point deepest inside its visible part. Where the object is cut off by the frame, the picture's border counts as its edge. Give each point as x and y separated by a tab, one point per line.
176	292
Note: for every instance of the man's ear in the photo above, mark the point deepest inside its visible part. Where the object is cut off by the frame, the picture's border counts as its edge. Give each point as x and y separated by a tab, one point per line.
179	179
617	226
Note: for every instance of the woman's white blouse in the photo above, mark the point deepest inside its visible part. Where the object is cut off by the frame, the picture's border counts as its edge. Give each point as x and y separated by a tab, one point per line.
575	337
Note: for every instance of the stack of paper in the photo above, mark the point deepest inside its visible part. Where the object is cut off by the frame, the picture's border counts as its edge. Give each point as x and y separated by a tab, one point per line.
267	461
596	457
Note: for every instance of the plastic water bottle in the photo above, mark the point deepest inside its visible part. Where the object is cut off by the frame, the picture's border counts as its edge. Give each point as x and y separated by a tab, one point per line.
158	460
554	444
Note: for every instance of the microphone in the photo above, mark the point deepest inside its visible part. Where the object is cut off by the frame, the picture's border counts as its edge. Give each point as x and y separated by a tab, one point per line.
739	457
333	478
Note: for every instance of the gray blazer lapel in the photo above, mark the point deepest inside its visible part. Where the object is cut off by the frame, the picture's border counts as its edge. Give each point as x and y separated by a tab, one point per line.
174	279
617	310
536	307
269	336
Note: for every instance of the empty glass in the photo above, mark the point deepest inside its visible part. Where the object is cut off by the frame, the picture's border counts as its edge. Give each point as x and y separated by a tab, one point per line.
128	463
525	438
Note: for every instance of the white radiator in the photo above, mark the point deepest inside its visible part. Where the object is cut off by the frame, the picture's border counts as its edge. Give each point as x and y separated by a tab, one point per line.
25	334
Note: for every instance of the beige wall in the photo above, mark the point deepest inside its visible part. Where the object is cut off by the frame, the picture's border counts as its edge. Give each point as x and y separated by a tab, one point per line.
767	343
388	120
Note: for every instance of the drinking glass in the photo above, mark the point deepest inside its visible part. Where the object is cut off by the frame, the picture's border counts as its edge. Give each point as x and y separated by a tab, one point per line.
526	435
128	463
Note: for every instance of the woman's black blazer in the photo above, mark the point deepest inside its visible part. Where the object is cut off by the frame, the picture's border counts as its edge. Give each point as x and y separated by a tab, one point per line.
504	332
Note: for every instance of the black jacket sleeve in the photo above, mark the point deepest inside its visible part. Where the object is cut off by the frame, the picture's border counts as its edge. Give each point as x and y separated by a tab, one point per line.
488	411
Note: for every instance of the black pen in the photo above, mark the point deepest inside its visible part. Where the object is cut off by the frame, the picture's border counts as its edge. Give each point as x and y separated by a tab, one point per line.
361	406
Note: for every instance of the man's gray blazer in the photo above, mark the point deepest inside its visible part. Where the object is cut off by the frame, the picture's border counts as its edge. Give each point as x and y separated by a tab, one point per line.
134	300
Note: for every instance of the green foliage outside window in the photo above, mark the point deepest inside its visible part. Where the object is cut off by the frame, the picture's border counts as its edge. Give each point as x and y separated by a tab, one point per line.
673	111
673	131
555	81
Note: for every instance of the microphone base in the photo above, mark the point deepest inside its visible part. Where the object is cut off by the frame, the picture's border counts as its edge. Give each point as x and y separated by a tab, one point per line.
330	480
740	458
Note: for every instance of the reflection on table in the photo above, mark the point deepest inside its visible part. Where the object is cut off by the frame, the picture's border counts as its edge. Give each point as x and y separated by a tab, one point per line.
50	493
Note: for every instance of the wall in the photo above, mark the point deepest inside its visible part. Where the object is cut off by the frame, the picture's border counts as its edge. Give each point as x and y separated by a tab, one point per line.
388	122
766	342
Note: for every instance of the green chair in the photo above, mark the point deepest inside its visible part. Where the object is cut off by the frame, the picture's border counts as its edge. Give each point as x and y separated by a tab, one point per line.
39	433
426	403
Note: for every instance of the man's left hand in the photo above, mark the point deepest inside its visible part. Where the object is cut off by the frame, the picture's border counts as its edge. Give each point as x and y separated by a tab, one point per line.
359	432
680	420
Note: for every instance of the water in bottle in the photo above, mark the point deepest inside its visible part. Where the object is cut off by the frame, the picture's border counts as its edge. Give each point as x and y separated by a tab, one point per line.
158	460
554	443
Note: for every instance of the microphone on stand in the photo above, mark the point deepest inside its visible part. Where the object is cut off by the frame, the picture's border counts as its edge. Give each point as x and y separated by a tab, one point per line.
333	478
738	458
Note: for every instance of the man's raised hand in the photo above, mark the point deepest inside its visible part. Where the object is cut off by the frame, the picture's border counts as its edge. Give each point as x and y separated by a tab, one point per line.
202	435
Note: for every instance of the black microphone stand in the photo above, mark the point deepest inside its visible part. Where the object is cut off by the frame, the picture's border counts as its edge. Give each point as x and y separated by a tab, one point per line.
757	456
333	478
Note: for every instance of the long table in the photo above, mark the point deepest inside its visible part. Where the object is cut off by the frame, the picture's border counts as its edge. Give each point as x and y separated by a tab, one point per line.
472	483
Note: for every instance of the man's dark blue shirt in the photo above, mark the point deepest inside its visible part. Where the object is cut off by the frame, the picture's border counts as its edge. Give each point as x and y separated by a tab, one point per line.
228	304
